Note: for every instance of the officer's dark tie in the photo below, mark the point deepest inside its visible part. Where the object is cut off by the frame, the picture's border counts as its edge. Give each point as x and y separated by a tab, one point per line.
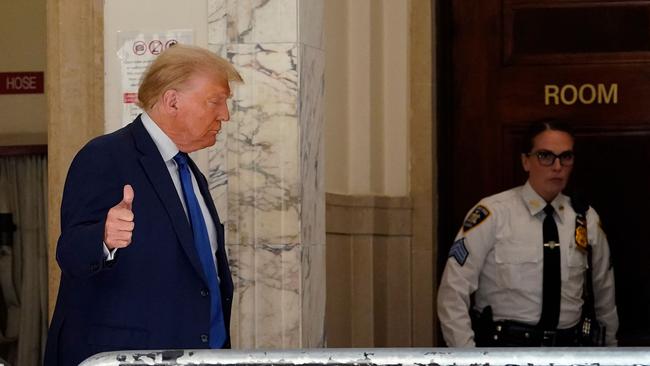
552	279
202	243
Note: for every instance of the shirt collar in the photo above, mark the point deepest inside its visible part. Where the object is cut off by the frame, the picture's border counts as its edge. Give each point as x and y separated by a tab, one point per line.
535	203
165	145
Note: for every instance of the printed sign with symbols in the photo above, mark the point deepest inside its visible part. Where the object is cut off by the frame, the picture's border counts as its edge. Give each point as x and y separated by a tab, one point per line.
137	52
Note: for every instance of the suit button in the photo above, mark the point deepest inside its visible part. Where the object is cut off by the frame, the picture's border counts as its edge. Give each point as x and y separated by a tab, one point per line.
205	292
204	338
94	267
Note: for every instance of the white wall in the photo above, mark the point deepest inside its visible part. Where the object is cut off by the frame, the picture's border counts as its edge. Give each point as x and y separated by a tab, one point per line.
366	97
145	16
23	119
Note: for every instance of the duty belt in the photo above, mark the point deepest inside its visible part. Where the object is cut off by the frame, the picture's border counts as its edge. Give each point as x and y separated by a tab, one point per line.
511	333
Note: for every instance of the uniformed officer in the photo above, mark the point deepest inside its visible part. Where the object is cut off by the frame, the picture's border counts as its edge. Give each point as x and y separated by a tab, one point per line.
523	254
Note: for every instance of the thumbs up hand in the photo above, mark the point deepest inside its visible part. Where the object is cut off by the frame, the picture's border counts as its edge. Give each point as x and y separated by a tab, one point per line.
119	221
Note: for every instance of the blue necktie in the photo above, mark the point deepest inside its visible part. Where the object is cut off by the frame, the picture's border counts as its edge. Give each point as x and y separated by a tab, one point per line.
202	243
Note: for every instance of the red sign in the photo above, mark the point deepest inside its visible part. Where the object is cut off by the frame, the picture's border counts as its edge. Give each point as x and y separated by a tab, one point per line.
129	98
21	82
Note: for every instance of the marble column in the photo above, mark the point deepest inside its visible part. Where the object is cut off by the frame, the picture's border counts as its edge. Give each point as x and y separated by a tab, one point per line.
266	171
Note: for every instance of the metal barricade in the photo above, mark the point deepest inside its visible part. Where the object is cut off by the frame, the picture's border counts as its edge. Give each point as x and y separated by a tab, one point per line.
381	356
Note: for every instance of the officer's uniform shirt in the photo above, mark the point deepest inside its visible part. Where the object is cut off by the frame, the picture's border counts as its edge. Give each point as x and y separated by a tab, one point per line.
499	255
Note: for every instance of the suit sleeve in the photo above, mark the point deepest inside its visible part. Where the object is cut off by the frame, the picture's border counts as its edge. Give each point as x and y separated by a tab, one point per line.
91	189
603	280
461	276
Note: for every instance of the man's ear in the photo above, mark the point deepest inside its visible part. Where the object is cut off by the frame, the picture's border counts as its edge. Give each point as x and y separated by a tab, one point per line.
169	101
525	162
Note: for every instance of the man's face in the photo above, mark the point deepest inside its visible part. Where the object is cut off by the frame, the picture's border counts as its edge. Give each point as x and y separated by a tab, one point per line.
201	108
549	181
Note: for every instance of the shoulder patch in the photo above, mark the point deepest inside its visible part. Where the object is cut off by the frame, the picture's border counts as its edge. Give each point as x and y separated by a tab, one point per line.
478	215
459	251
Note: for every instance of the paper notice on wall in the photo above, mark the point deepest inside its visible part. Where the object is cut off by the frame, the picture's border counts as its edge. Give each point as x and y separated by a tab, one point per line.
137	51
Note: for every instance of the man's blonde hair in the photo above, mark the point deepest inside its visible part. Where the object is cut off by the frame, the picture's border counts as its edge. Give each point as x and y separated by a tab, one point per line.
175	66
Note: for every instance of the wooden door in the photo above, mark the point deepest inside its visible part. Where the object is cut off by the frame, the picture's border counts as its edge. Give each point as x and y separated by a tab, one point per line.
505	63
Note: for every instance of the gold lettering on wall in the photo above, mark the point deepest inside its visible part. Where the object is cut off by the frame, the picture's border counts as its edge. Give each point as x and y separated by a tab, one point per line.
570	94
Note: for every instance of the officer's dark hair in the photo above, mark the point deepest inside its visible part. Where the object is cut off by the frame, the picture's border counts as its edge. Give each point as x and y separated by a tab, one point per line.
540	126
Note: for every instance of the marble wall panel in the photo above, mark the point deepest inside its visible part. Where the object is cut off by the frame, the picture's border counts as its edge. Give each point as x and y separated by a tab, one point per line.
252	21
266	170
312	150
313	296
257	175
267	303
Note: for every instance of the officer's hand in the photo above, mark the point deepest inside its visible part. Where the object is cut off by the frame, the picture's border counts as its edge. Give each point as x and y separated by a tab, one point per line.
119	222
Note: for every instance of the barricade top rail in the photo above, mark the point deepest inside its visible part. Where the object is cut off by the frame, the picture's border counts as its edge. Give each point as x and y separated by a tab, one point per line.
381	356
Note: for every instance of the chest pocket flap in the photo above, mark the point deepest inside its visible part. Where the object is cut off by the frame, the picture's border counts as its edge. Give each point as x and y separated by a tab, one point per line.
518	266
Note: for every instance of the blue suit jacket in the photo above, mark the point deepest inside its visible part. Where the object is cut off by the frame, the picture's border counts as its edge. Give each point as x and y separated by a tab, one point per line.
153	295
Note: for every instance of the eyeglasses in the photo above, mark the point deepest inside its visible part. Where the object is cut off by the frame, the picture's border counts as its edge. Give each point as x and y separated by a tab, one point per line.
547	158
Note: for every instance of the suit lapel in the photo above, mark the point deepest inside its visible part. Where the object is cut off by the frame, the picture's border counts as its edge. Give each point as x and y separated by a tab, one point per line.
158	175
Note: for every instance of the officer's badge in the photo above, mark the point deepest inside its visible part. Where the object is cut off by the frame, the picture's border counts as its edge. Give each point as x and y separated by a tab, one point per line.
478	215
581	237
459	251
581	232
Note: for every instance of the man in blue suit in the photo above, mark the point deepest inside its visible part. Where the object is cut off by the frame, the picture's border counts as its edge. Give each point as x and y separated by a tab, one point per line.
141	249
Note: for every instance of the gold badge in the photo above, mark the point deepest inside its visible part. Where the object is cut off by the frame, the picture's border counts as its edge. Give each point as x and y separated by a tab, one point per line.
581	237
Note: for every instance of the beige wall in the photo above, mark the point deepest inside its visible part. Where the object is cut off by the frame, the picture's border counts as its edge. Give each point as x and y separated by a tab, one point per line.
423	172
22	26
380	169
366	97
337	139
369	292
